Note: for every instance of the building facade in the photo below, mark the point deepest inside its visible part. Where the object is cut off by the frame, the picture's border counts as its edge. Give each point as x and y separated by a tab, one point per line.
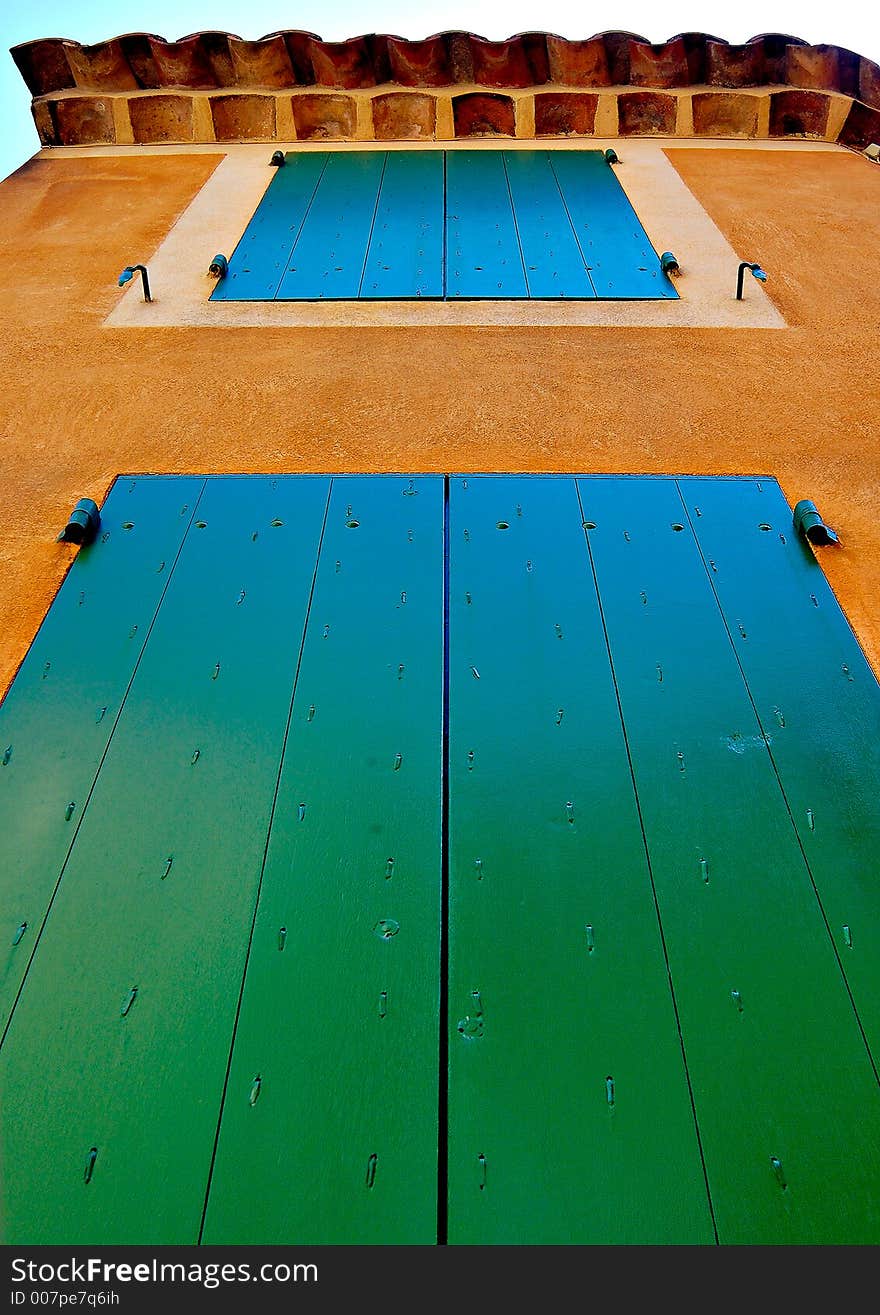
640	1002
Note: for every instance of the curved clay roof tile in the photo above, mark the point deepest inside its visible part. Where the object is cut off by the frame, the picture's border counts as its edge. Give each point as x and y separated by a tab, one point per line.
183	63
342	63
263	63
57	68
500	63
578	63
103	67
658	66
419	63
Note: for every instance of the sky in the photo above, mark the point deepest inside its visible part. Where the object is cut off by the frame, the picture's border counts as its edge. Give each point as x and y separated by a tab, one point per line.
854	24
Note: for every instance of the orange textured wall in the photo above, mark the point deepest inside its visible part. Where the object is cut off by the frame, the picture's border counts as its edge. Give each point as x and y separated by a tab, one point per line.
80	403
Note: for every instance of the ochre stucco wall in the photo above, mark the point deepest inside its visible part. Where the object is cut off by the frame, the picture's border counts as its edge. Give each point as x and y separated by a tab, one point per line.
80	403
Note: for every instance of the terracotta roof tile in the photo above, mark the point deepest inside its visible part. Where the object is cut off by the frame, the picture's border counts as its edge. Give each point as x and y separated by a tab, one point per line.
556	68
212	59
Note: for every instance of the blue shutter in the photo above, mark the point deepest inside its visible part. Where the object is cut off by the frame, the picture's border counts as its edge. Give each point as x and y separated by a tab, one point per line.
328	259
622	263
260	259
405	256
483	257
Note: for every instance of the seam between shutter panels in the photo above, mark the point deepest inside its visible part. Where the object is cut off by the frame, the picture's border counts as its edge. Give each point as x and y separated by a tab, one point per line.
244	971
778	777
571	224
99	768
372	227
443	1067
522	259
644	834
302	225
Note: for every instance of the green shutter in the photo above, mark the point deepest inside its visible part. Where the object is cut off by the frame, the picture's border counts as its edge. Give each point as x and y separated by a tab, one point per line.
491	860
339	1019
569	1114
778	1062
57	719
158	895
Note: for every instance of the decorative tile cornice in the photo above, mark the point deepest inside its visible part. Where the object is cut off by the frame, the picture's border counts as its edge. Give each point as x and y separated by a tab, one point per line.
451	84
